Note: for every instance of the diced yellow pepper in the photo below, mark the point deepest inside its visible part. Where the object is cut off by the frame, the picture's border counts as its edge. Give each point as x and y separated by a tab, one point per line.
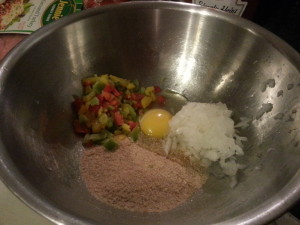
125	110
149	91
103	119
87	90
100	111
88	97
119	137
91	80
96	126
146	101
119	80
126	128
130	86
83	109
153	96
104	79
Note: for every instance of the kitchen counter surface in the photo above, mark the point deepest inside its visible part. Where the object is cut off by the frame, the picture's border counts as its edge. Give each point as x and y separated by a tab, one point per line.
15	212
8	41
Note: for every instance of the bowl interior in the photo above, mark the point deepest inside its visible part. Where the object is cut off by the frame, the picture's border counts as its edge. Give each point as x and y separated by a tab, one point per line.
204	55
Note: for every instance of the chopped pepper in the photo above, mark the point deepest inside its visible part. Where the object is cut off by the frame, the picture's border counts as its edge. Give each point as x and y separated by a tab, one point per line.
109	106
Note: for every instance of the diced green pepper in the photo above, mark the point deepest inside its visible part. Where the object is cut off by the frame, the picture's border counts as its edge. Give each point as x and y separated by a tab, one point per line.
110	108
128	112
98	87
94	101
125	111
132	113
82	118
119	86
134	134
110	122
113	111
110	144
95	138
142	90
136	84
150	91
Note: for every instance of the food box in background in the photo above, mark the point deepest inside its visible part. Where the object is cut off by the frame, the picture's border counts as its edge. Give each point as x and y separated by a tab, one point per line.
26	16
244	8
95	3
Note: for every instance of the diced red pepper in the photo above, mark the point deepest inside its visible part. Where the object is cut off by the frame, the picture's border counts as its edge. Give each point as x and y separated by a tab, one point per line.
160	99
90	4
132	124
114	110
110	101
80	128
137	96
132	97
115	102
157	89
106	95
137	105
118	118
116	92
94	108
100	97
105	104
112	97
108	88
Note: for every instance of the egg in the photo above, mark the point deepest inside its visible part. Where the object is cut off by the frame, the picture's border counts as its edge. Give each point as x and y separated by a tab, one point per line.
155	123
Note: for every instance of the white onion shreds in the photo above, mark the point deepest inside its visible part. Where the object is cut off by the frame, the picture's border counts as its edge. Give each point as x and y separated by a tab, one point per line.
244	123
167	146
206	131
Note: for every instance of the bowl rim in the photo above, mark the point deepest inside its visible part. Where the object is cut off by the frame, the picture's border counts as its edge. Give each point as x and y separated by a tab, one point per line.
10	176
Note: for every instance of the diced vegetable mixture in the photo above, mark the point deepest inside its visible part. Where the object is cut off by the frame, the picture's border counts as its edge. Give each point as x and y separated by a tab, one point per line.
111	106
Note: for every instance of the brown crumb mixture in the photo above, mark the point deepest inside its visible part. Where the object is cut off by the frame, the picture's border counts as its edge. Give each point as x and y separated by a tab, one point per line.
156	145
135	179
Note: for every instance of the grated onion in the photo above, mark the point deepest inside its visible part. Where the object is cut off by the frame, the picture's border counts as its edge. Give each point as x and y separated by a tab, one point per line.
206	132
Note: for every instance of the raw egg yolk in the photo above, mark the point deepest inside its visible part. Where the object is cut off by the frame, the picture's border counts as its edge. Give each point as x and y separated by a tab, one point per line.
155	123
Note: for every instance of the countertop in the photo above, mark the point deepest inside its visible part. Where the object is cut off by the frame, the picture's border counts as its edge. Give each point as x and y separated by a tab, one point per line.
15	212
8	41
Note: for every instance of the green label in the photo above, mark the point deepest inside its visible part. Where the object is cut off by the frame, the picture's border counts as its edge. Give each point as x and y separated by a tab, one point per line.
57	10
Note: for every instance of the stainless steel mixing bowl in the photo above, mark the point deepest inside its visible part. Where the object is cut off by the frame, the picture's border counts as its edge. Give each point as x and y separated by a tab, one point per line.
206	55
